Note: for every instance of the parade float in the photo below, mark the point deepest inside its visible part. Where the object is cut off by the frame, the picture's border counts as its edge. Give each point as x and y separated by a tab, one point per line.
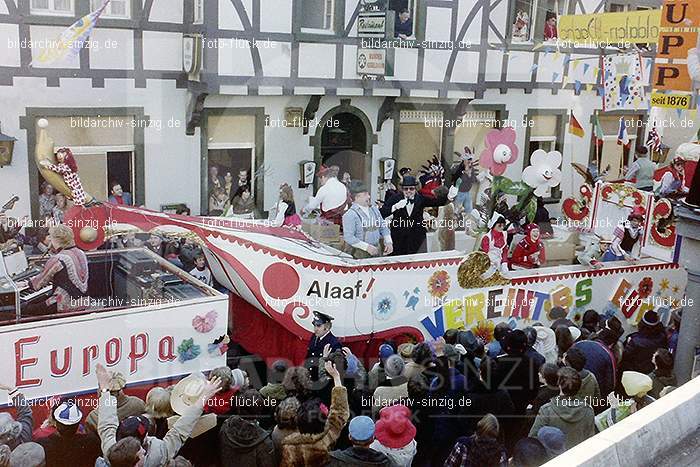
278	276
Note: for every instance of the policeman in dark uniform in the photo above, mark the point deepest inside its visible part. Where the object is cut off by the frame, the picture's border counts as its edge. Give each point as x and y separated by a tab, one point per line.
322	337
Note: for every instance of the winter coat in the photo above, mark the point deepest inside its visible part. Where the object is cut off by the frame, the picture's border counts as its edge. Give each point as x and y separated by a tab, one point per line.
570	415
158	451
358	456
518	375
400	457
243	443
388	395
24	418
313	449
590	391
660	382
127	406
278	434
544	395
601	362
79	450
483	400
639	349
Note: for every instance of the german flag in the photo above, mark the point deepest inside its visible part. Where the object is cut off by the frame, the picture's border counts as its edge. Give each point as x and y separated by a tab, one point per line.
575	127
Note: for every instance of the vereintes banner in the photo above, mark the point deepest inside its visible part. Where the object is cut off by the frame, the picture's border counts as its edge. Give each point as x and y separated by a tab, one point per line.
145	344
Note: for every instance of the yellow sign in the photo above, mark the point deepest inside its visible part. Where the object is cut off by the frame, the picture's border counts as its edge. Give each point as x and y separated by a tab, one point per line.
671	101
610	29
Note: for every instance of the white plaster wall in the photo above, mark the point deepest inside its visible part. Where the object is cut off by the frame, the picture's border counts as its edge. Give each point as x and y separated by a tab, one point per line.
167	11
9	43
276	16
171	157
114	49
162	51
438	24
276	59
316	60
235	58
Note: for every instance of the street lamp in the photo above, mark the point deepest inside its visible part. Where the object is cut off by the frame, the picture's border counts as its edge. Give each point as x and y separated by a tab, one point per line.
7	145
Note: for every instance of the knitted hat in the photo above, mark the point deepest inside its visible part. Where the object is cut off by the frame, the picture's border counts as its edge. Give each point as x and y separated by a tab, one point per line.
67	413
4	455
553	440
406	349
394	428
237	378
393	366
117	383
636	384
28	455
135	426
651	318
9	428
361	428
287	410
385	351
451	352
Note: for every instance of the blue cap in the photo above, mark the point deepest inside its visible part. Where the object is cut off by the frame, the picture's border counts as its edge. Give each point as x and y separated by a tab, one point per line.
385	351
361	428
553	440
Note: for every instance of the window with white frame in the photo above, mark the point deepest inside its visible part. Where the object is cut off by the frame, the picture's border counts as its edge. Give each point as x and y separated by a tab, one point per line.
536	19
115	8
52	7
198	12
318	16
405	12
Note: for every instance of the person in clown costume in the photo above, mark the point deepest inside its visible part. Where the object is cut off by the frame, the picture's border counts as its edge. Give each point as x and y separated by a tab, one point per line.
627	235
68	169
495	245
529	252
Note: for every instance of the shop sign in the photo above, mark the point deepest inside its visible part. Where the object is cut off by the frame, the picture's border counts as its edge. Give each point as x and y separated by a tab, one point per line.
671	101
679	20
611	28
371	62
371	24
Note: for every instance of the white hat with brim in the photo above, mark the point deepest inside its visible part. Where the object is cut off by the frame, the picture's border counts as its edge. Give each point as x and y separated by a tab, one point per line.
546	340
186	392
636	384
201	426
9	428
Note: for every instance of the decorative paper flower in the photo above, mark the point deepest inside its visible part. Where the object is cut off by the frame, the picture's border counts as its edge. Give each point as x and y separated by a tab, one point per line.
412	298
645	287
439	283
484	330
576	315
205	323
188	350
219	346
543	173
384	305
500	150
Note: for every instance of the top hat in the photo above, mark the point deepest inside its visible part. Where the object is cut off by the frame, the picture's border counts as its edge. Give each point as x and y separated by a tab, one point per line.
409	180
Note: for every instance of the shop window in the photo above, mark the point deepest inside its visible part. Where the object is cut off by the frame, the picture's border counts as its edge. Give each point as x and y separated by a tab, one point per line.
405	13
115	8
536	19
608	152
52	7
318	16
546	133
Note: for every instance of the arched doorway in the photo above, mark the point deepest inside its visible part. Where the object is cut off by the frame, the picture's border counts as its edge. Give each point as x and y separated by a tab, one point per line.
345	139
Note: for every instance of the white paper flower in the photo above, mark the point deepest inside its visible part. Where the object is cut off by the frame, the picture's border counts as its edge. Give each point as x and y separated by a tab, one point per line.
543	173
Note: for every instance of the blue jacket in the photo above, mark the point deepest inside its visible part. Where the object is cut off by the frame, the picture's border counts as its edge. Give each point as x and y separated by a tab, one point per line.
600	362
357	227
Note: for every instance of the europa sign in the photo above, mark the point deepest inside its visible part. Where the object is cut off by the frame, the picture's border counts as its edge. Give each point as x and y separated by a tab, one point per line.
371	62
59	356
371	24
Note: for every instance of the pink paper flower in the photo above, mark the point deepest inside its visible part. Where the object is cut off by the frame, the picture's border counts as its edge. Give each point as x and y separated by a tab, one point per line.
205	323
500	150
